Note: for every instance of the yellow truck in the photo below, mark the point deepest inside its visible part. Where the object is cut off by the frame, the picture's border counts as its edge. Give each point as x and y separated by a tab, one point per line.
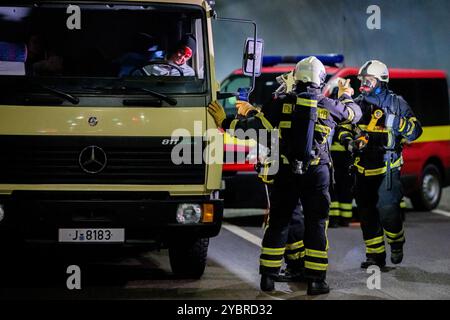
87	127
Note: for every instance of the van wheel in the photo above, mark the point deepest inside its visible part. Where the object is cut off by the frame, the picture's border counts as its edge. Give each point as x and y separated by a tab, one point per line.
188	257
430	190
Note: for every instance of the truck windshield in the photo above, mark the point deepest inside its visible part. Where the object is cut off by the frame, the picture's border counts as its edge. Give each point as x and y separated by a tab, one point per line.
76	49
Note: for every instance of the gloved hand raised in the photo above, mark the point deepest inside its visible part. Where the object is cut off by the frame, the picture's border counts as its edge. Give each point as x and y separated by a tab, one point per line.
345	88
356	145
243	108
216	110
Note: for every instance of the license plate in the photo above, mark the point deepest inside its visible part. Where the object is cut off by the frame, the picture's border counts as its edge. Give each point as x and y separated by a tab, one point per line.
91	235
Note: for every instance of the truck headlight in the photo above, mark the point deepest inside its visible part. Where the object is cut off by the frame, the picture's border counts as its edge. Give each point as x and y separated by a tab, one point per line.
189	213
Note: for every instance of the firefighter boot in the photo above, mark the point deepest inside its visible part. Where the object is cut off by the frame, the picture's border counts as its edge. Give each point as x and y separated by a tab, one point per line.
396	254
373	262
267	283
316	287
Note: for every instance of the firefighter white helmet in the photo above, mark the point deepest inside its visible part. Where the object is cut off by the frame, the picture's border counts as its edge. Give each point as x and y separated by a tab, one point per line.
310	70
376	69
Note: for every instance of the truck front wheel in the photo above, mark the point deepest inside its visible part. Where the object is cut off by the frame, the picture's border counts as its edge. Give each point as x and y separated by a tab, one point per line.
430	190
188	257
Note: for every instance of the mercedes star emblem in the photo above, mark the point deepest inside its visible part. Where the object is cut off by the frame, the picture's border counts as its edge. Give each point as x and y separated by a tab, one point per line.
92	159
93	121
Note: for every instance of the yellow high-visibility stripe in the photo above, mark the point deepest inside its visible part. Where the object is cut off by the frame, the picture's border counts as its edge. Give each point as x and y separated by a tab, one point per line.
373	241
360	168
287	108
375	172
294	256
285	124
376	250
334	204
295	245
316	266
346	126
315	161
345	206
348	135
316	253
285	159
334	212
233	124
346	214
403	126
322	129
271	263
347	101
264	176
351	115
402	239
413	126
393	235
273	251
264	121
307	102
337	147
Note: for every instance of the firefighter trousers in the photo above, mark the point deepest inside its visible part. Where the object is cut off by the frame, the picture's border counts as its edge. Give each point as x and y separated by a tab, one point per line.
312	188
380	213
341	192
295	248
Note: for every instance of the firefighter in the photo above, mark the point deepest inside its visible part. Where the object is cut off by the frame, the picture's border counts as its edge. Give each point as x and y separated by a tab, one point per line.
305	119
387	123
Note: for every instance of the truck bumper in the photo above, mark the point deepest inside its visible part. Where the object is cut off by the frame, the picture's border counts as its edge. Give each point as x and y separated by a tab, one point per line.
145	216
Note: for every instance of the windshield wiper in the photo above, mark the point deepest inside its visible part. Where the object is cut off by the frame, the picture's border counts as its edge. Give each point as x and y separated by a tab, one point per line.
169	100
126	89
59	93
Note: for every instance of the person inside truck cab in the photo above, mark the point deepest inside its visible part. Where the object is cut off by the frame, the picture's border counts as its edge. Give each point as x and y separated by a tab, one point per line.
177	60
144	48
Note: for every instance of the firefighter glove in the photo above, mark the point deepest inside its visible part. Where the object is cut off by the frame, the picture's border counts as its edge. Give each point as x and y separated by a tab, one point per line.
356	145
217	112
243	108
345	88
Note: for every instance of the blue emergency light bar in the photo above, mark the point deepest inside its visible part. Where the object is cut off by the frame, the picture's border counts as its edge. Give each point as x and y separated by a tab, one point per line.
327	59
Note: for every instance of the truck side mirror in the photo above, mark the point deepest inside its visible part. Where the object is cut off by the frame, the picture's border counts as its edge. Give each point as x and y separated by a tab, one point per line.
253	57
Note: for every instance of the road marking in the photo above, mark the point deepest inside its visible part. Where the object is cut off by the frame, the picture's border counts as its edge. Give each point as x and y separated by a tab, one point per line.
441	212
243	234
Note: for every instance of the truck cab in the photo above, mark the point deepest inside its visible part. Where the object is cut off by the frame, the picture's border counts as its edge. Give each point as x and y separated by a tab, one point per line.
96	151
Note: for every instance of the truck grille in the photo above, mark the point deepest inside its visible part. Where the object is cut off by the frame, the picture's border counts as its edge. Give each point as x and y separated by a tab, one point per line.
129	160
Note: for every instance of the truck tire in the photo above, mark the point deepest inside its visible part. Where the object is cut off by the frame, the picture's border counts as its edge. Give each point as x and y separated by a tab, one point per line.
188	257
429	194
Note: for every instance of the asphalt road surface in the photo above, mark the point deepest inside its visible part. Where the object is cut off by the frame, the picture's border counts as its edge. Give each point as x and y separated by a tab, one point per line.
232	268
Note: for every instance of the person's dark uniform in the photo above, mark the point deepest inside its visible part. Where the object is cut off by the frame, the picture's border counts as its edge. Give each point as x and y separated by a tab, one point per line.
341	193
312	187
378	189
294	256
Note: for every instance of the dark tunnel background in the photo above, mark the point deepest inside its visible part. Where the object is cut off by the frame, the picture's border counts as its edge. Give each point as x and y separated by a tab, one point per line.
413	34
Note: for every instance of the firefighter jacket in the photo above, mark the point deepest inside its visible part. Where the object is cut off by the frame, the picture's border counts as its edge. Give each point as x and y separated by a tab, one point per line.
388	122
278	115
